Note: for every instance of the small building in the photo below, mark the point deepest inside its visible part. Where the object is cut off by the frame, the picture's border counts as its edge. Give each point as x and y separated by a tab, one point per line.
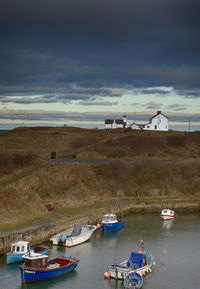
115	123
157	122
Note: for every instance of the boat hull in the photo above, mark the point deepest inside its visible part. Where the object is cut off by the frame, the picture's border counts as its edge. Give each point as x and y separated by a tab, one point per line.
12	258
167	217
121	273
112	226
32	275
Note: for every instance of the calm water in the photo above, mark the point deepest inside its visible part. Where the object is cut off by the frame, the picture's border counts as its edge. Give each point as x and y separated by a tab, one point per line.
175	246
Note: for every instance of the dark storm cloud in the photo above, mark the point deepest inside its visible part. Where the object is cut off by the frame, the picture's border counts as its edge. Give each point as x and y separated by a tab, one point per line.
48	46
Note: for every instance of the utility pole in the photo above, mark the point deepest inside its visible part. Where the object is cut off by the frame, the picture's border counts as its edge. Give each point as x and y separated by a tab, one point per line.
189	124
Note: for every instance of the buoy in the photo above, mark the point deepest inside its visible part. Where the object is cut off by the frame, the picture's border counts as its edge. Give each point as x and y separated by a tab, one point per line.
106	275
98	226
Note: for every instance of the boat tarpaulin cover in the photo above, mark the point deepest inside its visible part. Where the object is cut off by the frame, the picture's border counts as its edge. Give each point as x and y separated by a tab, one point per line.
136	259
62	238
76	230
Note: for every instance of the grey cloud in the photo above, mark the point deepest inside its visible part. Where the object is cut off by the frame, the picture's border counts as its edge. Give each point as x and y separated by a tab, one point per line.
155	91
153	105
55	116
102	102
176	107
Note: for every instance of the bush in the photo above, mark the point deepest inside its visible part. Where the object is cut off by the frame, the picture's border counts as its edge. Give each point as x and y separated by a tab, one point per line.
12	161
176	141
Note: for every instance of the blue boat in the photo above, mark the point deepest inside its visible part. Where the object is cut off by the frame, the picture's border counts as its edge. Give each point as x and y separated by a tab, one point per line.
133	281
36	267
20	248
110	223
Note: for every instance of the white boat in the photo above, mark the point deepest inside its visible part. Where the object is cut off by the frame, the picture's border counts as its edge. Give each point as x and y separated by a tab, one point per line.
20	248
140	262
74	236
167	214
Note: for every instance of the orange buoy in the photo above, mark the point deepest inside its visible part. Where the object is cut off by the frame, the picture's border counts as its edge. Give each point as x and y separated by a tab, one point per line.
98	226
106	275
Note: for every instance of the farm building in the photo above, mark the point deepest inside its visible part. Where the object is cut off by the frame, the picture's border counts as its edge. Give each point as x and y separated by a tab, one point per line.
115	123
157	122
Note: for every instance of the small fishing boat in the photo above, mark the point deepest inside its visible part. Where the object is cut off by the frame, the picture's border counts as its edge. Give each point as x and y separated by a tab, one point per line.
140	262
110	223
133	281
167	214
20	248
74	236
36	267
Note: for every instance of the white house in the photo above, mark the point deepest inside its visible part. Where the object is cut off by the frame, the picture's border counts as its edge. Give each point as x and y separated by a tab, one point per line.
156	122
115	123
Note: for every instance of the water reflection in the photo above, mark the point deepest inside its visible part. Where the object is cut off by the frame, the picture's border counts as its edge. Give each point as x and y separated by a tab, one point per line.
108	235
167	224
112	283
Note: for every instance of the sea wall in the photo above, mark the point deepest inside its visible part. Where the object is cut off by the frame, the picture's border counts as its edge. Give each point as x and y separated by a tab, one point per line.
41	233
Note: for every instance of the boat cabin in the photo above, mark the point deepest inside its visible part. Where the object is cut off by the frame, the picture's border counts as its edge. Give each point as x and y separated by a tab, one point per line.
20	247
110	218
36	260
168	212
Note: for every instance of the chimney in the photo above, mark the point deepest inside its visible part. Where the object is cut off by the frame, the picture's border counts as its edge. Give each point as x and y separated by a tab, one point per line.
125	120
159	112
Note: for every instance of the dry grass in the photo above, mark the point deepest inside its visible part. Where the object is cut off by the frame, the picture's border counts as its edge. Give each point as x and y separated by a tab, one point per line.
77	185
122	143
26	188
12	161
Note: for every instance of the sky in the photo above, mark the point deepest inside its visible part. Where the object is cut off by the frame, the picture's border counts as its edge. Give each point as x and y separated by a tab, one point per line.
78	62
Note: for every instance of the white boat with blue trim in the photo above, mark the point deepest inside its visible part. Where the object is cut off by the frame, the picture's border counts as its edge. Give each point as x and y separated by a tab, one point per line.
140	262
20	248
74	236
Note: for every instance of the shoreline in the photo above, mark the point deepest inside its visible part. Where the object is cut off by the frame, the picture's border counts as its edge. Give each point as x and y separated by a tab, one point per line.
41	233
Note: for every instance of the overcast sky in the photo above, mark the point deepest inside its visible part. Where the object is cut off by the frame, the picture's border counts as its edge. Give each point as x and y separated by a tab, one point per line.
78	62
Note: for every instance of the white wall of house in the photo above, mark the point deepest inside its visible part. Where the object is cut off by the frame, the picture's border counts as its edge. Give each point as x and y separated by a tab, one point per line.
158	122
108	126
113	125
135	126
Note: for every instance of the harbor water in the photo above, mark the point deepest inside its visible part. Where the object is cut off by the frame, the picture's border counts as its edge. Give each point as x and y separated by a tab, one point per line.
175	245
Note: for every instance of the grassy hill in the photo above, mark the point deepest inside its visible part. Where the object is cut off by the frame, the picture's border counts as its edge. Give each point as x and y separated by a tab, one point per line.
164	165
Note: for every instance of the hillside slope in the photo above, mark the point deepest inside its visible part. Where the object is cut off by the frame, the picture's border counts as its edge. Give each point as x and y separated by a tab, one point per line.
28	182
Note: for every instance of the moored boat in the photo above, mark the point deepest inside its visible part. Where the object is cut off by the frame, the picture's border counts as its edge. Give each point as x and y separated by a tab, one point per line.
167	214
140	262
74	236
20	248
36	267
110	223
133	281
